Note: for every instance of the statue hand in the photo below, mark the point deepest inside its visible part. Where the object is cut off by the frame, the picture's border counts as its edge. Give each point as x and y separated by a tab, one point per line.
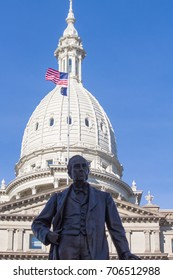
53	237
129	256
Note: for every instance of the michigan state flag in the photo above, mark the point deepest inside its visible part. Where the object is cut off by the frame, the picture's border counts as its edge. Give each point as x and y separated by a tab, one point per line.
63	91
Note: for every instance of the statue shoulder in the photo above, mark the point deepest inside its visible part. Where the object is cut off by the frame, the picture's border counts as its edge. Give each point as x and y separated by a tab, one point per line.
63	193
99	192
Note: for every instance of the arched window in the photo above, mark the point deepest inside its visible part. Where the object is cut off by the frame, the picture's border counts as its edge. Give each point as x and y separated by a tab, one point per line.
33	166
49	162
70	65
103	127
87	122
77	67
51	122
69	120
36	126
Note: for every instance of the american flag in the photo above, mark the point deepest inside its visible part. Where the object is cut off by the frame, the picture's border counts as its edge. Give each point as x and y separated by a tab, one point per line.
59	78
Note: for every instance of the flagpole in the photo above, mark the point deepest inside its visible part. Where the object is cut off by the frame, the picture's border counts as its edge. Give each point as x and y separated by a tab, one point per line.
68	127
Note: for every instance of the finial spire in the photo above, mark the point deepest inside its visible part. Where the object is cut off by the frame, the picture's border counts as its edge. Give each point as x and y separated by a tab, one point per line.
70	52
71	2
70	18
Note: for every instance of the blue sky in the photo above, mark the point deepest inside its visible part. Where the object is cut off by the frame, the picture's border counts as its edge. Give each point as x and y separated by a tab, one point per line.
128	68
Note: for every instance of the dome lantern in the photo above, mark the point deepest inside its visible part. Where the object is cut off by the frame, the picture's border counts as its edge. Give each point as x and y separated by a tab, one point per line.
70	52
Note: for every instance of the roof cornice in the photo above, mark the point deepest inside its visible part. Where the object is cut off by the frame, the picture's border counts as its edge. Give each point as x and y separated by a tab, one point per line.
28	177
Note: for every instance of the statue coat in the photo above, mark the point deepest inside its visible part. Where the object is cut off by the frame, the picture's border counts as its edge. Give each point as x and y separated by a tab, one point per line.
101	211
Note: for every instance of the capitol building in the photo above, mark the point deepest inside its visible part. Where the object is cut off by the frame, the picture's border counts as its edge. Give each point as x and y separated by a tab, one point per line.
63	126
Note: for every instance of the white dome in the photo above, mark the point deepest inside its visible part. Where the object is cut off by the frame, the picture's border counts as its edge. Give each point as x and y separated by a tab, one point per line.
90	129
90	126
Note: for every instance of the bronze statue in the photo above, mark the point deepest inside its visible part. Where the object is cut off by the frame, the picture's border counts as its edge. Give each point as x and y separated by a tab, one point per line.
79	214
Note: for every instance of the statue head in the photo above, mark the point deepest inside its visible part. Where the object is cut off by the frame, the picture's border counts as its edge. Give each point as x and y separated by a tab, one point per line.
78	169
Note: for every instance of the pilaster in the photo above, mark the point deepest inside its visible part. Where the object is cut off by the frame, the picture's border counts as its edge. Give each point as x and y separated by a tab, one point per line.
20	233
128	236
10	239
56	181
147	241
157	241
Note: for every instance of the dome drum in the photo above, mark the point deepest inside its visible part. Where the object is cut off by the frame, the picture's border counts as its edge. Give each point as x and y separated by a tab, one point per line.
40	160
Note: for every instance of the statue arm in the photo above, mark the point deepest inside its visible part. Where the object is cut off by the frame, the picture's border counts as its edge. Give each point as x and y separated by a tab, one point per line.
41	224
117	231
115	227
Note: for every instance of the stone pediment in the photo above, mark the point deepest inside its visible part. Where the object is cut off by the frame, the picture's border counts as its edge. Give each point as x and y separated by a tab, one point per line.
26	212
129	211
35	202
29	210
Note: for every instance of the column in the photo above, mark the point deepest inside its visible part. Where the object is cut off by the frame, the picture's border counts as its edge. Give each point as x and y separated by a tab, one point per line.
73	69
60	65
10	239
157	241
80	68
128	236
56	181
34	190
20	239
66	63
18	196
147	241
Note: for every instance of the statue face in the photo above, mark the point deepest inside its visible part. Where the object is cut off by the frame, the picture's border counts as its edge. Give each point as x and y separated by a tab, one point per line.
79	170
